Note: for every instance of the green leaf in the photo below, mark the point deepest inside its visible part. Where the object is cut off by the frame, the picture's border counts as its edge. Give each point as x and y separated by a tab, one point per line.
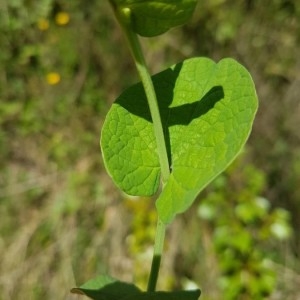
207	111
151	18
106	288
178	295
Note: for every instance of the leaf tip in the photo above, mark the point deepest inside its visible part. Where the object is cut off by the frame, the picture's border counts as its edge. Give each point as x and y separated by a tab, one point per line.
77	291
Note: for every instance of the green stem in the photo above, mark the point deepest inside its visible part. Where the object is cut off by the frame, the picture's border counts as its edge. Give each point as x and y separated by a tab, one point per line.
158	249
124	18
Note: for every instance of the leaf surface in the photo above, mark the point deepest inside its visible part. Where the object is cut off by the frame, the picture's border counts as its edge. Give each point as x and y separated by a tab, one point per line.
207	111
178	295
108	288
154	17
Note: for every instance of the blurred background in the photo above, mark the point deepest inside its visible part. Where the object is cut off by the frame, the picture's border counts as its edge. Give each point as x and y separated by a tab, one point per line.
62	221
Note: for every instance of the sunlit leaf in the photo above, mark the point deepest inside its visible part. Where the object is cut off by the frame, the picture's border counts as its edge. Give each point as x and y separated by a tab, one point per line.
207	111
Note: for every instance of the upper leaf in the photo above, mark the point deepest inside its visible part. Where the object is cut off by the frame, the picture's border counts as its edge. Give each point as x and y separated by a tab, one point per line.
207	111
153	17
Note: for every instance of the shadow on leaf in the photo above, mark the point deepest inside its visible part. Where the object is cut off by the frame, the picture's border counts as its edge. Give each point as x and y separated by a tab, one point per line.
135	102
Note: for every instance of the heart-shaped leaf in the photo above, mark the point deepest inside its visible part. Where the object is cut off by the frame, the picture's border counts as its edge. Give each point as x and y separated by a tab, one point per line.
154	17
207	111
108	288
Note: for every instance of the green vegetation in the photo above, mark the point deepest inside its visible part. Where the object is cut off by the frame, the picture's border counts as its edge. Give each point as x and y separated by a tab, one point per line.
175	131
128	131
60	215
242	223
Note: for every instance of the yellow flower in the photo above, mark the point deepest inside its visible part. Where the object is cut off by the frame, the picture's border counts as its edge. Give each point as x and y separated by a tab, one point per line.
62	18
53	78
43	24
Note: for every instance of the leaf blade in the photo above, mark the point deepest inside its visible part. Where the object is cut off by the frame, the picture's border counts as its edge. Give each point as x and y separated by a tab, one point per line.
178	295
153	17
207	111
106	288
218	133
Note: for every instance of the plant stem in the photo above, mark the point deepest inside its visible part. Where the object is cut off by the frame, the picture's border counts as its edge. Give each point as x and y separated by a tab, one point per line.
123	16
158	249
